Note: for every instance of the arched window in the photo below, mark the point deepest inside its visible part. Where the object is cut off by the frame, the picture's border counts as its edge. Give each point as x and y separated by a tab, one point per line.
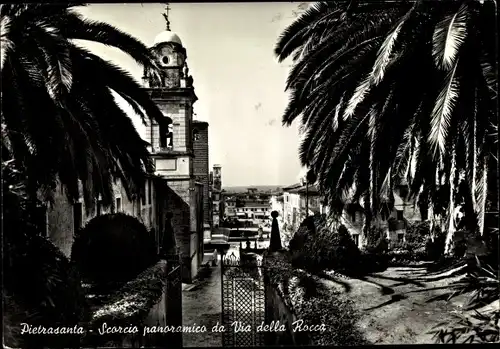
196	135
166	134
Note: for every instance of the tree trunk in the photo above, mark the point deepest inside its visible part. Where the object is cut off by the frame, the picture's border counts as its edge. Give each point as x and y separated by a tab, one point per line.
367	221
449	220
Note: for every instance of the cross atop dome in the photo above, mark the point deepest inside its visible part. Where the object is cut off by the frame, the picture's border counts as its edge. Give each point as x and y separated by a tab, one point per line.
165	15
167	36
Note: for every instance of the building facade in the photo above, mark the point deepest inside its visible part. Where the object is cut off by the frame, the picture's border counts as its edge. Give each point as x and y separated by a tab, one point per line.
65	218
251	204
217	209
276	202
202	172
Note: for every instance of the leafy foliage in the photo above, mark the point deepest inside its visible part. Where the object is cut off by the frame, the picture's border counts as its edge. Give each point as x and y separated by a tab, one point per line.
435	248
314	303
317	247
376	241
130	304
417	234
413	249
113	248
482	327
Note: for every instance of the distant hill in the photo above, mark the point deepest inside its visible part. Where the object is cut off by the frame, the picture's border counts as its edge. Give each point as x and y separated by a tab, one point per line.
260	188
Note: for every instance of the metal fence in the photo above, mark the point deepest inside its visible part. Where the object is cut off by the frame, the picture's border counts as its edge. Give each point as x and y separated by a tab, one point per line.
243	300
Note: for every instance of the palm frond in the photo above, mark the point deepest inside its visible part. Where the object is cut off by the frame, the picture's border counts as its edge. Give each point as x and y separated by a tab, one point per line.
386	52
441	114
449	35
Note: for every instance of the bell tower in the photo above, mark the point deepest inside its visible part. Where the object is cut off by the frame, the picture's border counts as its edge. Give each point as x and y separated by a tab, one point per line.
172	142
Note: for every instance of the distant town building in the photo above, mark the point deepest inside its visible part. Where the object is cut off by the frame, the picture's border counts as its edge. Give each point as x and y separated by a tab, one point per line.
297	195
217	207
295	200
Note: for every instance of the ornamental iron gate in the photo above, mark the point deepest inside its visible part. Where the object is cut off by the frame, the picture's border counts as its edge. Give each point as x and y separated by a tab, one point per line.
243	300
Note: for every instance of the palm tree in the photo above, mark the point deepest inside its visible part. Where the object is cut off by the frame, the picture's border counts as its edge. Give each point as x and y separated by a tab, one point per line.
60	117
61	123
396	92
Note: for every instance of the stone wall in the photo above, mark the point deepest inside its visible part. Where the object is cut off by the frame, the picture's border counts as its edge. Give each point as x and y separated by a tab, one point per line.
153	299
61	225
178	200
185	205
278	309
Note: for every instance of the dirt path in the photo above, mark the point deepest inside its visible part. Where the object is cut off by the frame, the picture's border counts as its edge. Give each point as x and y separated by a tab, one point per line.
395	306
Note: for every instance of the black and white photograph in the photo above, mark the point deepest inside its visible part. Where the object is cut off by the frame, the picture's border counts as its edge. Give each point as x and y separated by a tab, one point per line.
249	174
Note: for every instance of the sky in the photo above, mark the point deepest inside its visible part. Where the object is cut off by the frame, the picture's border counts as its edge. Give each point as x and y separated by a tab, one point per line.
239	83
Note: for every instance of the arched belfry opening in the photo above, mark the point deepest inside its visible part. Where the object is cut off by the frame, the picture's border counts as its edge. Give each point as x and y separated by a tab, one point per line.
166	133
196	135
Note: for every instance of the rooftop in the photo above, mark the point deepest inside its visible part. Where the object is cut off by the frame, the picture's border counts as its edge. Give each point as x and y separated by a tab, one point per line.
312	190
167	36
253	204
293	186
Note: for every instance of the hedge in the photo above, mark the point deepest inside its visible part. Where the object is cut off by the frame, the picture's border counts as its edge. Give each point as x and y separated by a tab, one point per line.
316	246
314	303
113	248
131	304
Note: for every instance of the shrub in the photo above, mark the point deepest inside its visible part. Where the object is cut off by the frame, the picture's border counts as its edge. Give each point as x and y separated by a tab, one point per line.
317	247
113	248
381	246
435	249
315	304
459	246
373	236
43	289
417	234
131	304
370	263
481	282
328	307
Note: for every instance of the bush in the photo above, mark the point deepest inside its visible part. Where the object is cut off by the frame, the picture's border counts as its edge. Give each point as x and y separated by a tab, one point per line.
481	282
43	289
337	313
131	304
373	237
316	247
314	303
381	246
113	248
435	249
417	234
370	263
459	246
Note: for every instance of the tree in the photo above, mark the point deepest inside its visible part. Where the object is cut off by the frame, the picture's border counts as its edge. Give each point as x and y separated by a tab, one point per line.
399	92
61	120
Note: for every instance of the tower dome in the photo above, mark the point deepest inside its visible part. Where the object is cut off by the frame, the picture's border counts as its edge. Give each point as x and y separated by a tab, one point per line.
167	36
